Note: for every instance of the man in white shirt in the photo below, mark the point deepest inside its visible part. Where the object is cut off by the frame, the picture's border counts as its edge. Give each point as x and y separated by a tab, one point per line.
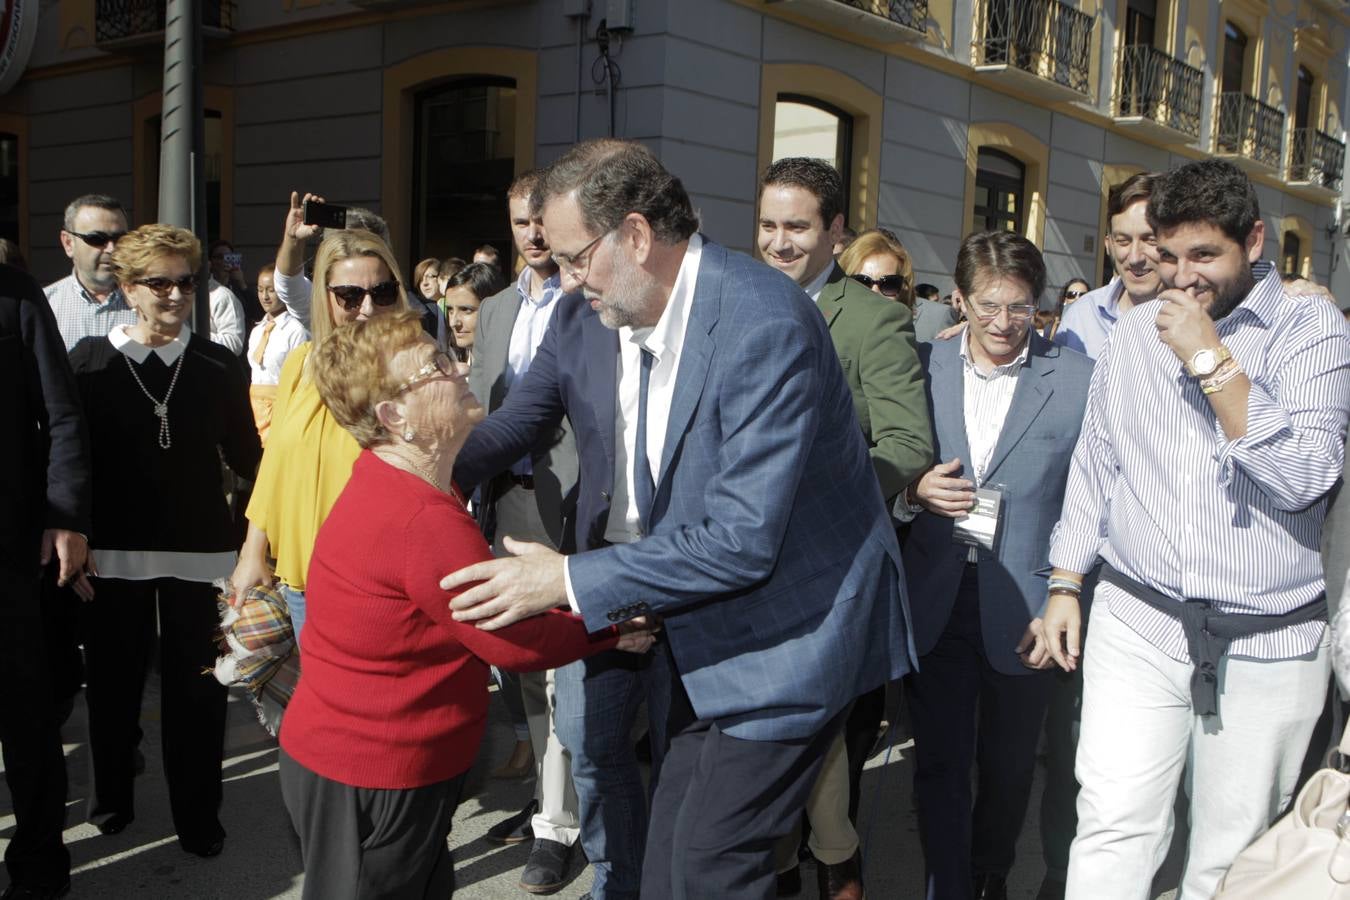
227	317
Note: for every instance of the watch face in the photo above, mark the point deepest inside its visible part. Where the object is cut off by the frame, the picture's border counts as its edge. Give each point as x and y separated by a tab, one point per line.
1204	362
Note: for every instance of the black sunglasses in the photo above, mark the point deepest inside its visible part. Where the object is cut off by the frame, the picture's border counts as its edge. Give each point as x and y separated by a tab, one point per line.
351	296
890	285
1073	295
99	238
162	287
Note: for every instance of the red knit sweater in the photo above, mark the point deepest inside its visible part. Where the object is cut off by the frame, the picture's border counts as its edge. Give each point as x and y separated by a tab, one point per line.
394	691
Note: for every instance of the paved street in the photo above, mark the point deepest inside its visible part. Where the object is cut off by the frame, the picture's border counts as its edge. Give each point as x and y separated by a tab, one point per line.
260	861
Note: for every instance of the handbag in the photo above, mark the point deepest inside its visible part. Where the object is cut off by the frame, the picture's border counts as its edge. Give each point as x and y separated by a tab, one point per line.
258	651
1306	854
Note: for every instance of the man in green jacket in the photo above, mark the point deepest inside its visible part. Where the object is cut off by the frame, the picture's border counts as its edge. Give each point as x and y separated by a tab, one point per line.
800	219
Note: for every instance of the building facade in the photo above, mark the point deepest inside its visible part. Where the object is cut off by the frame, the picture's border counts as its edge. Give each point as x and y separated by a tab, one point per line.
945	116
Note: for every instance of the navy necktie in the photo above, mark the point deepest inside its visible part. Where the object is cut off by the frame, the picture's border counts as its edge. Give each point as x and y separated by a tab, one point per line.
643	483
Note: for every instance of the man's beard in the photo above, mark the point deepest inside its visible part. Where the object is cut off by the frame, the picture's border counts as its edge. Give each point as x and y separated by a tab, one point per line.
1227	299
629	296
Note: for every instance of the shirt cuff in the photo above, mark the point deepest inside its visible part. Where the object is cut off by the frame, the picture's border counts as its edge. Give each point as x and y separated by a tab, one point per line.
567	580
1266	419
1074	551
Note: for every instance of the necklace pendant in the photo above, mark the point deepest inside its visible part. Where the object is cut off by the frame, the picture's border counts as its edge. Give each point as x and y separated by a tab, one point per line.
162	410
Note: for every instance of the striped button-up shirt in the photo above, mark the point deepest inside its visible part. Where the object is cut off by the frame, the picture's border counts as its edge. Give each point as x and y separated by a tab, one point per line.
1160	492
79	315
987	397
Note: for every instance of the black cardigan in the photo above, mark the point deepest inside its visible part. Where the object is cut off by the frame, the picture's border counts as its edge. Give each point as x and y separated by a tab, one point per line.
148	498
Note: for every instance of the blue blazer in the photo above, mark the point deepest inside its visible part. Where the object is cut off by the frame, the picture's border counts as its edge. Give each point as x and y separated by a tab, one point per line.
1031	463
770	552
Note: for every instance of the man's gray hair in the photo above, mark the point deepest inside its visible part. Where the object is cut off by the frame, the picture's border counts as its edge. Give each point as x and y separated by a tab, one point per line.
98	201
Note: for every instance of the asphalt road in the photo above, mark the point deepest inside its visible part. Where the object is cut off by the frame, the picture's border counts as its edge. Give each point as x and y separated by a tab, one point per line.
260	859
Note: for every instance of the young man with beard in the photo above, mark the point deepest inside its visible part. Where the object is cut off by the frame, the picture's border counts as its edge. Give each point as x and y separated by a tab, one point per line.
1215	427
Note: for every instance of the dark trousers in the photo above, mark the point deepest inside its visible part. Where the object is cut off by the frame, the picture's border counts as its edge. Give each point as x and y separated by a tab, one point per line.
860	735
371	843
35	768
722	804
118	642
965	713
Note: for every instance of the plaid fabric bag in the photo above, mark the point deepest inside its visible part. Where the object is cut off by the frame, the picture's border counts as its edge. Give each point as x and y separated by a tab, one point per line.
258	652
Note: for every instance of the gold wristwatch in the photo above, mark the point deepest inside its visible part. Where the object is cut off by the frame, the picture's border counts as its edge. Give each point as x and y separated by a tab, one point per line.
1206	362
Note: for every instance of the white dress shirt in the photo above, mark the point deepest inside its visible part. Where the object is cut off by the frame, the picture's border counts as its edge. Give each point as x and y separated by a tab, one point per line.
142	565
986	398
665	341
287	334
526	334
817	284
227	318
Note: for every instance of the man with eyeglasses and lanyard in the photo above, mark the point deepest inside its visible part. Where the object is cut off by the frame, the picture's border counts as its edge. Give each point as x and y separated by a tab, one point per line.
800	219
87	302
1007	407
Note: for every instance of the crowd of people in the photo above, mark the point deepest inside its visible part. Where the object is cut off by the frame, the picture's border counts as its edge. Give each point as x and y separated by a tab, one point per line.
642	479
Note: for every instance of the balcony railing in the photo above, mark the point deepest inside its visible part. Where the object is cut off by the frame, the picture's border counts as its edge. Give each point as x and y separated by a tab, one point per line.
1152	85
1047	38
1316	158
130	21
909	13
1249	128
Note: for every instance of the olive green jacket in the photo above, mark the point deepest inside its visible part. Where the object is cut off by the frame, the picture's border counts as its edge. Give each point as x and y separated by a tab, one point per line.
874	337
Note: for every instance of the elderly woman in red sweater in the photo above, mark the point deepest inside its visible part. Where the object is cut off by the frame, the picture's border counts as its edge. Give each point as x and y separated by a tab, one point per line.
388	716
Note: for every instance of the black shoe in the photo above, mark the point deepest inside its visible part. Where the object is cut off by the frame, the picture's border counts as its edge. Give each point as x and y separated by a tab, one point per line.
1052	888
116	823
547	867
514	829
991	887
790	882
204	849
31	892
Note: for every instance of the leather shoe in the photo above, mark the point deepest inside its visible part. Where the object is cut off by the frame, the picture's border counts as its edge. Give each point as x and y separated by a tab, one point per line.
204	849
546	869
116	823
841	881
34	892
991	887
1051	888
790	882
514	829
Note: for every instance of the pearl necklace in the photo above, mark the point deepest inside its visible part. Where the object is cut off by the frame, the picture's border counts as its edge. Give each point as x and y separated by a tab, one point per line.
428	476
161	407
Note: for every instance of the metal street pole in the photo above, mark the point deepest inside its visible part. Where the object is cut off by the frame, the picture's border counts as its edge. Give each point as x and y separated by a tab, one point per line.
182	169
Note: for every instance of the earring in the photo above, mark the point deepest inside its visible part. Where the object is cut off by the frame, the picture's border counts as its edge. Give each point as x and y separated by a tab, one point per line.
408	435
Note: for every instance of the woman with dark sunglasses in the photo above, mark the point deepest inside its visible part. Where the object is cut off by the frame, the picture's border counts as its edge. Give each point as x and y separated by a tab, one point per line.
309	455
162	408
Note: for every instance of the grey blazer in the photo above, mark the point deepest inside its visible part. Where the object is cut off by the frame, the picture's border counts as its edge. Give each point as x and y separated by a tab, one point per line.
930	317
1031	462
555	457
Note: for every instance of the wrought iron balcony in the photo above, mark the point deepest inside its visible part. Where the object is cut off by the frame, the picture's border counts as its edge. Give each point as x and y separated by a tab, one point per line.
1316	159
126	23
1248	129
1044	38
882	19
1155	89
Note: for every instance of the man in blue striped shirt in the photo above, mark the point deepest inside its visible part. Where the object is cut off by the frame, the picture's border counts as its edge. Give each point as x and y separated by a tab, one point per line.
1215	426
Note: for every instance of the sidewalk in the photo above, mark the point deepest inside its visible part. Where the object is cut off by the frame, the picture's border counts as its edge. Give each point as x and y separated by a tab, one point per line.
260	861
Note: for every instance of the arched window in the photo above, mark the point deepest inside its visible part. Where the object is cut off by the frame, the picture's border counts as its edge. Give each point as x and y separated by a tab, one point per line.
1000	192
1291	254
463	162
1234	60
805	126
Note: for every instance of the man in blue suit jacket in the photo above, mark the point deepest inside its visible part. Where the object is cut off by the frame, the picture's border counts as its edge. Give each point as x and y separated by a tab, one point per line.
1007	406
752	522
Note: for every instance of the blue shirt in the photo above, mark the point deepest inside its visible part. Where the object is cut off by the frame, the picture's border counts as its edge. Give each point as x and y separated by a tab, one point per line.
1161	493
1085	325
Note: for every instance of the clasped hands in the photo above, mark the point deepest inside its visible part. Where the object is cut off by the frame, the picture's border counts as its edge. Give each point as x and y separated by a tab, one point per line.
532	581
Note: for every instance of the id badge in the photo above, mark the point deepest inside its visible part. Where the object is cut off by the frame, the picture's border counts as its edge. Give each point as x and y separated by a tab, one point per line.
979	528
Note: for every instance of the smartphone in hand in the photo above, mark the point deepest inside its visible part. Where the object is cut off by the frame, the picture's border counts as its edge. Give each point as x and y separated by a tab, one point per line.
325	215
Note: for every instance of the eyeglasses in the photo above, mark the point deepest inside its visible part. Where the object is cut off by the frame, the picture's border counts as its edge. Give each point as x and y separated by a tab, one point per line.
889	285
1073	295
351	296
569	264
162	287
99	238
1017	312
440	366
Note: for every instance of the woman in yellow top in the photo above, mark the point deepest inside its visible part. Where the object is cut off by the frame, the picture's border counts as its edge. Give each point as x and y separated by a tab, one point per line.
309	455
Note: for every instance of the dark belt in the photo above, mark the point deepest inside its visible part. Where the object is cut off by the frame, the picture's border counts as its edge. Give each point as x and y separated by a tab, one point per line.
1209	632
525	481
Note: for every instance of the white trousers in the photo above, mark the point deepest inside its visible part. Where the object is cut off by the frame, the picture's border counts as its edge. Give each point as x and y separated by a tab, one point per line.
557	819
1139	736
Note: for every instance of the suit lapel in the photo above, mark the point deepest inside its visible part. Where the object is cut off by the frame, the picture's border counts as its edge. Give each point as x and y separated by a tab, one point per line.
602	362
696	353
1029	398
497	347
831	300
947	380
